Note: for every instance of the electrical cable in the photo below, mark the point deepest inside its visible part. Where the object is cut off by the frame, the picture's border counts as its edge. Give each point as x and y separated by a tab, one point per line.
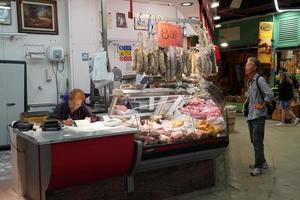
12	144
56	82
62	69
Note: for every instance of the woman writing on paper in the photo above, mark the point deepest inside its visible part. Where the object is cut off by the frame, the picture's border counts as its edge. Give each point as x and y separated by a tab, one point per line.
72	109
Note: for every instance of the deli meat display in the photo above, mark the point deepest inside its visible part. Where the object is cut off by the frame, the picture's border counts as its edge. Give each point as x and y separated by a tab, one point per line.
173	121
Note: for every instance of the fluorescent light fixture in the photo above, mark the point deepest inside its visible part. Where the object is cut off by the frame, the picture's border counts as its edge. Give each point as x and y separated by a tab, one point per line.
283	10
215	4
5	7
218	25
187	3
217	17
224	44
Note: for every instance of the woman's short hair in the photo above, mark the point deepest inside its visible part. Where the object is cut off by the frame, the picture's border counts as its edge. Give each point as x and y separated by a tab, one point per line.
76	94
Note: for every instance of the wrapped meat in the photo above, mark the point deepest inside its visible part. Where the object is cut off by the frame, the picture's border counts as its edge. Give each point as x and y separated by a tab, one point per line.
184	62
151	141
120	110
178	69
173	68
155	133
189	65
146	62
153	68
199	63
134	59
164	139
161	61
140	62
168	70
156	58
213	60
177	136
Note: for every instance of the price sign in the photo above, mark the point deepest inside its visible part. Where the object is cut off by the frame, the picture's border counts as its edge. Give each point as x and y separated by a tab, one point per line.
169	35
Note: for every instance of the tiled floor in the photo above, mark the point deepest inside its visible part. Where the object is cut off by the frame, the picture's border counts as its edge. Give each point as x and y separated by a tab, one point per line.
280	182
6	192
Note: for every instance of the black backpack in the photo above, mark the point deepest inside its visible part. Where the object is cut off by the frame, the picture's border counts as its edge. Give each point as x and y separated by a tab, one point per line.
271	106
295	82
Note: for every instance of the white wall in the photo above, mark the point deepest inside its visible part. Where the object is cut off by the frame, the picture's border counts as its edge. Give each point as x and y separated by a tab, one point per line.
36	69
84	36
128	36
79	32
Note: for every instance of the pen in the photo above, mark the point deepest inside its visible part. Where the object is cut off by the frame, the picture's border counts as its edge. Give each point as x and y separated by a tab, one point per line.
74	123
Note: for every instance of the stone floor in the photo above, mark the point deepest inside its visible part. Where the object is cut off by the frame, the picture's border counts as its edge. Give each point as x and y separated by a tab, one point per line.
280	181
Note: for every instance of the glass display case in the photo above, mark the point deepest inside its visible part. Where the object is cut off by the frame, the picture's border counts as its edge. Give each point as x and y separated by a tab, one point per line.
173	120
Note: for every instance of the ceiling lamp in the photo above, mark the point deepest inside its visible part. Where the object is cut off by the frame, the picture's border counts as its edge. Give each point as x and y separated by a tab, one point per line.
215	4
218	25
217	17
283	10
187	3
224	44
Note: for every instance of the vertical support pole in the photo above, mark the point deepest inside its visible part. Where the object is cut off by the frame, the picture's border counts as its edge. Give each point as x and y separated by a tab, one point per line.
104	24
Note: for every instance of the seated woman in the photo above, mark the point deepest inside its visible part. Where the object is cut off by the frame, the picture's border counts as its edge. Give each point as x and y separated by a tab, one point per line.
73	109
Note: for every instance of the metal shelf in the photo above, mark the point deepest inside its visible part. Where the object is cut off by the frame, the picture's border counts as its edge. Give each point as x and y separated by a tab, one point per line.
12	35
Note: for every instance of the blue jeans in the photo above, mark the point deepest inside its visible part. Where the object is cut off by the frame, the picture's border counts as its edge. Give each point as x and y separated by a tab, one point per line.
257	133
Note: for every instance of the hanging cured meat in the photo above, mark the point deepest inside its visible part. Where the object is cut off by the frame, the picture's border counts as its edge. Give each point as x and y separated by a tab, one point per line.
134	60
178	69
146	62
161	62
140	62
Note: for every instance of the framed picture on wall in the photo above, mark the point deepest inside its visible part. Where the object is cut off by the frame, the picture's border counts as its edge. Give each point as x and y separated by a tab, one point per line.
141	23
37	16
5	12
121	20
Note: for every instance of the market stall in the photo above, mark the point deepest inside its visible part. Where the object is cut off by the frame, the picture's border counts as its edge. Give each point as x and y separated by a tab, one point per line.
50	160
170	119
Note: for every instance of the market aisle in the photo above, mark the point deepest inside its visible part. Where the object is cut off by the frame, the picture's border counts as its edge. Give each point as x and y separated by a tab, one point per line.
280	181
6	192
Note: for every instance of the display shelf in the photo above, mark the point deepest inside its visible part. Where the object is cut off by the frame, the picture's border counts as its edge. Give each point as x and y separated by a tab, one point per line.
12	35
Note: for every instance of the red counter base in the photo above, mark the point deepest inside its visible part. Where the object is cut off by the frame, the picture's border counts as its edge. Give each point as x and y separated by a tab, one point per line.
88	160
151	185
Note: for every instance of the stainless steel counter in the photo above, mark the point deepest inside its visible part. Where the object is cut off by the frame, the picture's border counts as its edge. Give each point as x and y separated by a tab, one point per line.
96	130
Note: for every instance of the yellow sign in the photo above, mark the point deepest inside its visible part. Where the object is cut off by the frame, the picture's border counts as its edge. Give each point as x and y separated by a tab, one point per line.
265	42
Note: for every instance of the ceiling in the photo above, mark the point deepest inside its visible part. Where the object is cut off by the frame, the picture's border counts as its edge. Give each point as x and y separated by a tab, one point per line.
243	8
250	8
186	11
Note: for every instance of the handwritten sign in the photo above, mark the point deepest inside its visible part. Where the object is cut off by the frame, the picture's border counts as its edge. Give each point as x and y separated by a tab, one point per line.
169	35
125	53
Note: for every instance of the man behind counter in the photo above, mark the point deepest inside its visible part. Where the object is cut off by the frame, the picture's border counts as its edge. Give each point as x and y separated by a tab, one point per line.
73	109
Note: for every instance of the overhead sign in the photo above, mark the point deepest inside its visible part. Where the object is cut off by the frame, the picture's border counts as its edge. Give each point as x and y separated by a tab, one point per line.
169	35
265	42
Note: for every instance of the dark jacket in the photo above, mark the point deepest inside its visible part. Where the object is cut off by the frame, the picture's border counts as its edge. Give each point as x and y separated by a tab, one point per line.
62	112
286	91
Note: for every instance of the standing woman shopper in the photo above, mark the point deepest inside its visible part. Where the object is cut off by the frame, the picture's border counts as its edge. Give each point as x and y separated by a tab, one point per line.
286	94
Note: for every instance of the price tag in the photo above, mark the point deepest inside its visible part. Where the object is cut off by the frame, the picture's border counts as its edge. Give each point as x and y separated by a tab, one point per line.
105	117
169	35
